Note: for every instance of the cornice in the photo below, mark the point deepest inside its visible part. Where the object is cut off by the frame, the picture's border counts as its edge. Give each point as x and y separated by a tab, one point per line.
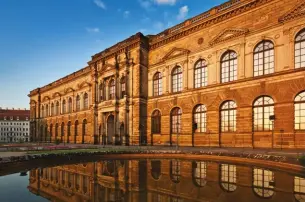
137	40
214	16
296	12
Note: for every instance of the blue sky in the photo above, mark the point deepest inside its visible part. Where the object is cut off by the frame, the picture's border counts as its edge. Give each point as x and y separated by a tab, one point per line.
44	40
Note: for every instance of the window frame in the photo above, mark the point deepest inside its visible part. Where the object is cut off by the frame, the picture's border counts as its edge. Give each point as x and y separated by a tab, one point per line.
263	108
111	87
156	122
300	103
157	84
176	113
177	76
123	86
202	75
229	121
230	67
202	124
296	42
264	52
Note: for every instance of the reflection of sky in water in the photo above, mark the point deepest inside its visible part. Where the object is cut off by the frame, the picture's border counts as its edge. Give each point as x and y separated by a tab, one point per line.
13	188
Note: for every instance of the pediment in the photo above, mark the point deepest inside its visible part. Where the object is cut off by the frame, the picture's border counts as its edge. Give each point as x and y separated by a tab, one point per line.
57	94
84	84
175	52
107	67
68	90
228	34
45	98
297	11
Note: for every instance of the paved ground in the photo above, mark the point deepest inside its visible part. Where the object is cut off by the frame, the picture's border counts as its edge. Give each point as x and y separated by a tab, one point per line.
11	154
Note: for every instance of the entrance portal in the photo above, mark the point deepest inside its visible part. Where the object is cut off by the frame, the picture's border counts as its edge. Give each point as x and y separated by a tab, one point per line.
110	130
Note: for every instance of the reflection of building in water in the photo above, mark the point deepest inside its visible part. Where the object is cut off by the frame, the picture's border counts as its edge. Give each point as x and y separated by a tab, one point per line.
165	181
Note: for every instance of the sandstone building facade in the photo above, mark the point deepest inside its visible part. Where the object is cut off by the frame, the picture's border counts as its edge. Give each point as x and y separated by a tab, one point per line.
230	77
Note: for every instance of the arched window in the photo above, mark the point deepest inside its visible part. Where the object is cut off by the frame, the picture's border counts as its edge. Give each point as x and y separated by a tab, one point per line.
156	169
101	92
175	172
57	108
299	57
123	86
176	120
51	131
201	74
64	106
299	112
84	130
156	122
52	109
56	130
263	182
228	116
68	131
42	111
77	103
263	58
229	66
263	108
228	177
62	134
76	128
47	111
200	173
299	189
86	101
157	84
70	105
200	118
177	79
112	89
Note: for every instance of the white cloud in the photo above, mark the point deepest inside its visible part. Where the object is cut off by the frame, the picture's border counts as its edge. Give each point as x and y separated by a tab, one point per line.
158	26
100	4
126	14
183	11
145	3
93	30
165	2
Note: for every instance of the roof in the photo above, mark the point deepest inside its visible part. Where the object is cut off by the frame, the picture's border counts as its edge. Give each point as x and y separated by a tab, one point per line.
15	114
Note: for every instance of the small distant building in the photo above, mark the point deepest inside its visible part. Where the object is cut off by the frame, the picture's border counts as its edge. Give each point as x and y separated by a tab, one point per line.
14	125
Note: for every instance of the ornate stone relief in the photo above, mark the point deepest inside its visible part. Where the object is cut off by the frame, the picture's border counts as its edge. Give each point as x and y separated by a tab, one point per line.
296	12
175	52
228	34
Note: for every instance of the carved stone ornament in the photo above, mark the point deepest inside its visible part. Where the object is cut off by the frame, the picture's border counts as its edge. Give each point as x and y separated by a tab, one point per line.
200	41
296	12
175	52
228	34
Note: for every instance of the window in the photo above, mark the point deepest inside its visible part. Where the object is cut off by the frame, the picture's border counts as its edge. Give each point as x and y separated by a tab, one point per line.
300	50
177	79
47	111
156	169
200	173
123	87
200	118
201	75
156	122
263	108
69	130
299	112
263	182
52	109
264	58
228	116
229	67
228	177
76	128
86	101
299	188
101	92
42	111
78	103
70	105
64	106
111	89
175	171
176	120
157	84
57	108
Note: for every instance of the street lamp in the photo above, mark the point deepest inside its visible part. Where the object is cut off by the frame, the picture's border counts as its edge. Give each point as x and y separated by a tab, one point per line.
272	118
